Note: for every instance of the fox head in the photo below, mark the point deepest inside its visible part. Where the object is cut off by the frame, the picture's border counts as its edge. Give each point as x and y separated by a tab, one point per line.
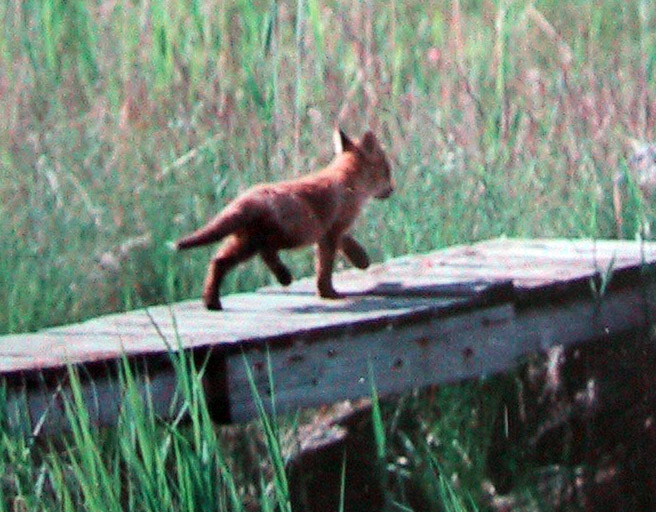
372	159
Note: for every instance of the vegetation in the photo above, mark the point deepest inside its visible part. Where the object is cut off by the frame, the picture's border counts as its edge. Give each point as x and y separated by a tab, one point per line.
128	123
141	464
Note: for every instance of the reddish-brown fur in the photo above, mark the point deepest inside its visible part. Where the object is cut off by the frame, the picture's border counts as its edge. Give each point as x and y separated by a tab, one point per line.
318	208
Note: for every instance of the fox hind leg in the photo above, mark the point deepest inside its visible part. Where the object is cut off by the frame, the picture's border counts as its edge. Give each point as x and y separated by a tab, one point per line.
272	260
236	250
354	252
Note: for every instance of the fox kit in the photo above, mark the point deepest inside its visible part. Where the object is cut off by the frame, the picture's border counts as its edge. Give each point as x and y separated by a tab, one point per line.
315	209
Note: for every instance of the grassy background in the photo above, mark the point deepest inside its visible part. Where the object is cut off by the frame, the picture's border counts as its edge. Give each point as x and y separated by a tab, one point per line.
127	124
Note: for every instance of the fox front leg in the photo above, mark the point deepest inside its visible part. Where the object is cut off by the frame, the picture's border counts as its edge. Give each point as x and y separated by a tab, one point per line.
354	252
325	259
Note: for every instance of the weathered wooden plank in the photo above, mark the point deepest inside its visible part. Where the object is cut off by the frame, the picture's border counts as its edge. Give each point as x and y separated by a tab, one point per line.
415	320
481	256
432	351
459	271
500	250
527	264
527	281
313	373
40	409
188	326
564	245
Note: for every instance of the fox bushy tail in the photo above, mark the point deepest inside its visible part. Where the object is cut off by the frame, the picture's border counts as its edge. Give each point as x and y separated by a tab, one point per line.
218	228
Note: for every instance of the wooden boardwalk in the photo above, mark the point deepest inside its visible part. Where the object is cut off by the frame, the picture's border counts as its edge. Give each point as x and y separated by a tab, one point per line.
461	312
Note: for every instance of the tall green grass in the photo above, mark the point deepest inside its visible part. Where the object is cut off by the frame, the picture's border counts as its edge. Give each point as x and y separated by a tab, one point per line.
146	462
143	463
127	121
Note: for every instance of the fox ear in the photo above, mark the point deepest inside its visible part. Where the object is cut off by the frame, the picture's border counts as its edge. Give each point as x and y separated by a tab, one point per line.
369	142
342	142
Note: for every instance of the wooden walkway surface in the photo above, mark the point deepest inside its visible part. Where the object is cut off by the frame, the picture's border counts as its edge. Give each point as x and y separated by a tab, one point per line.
413	321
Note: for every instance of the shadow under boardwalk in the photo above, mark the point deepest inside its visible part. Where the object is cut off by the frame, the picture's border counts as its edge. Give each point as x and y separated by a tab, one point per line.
461	312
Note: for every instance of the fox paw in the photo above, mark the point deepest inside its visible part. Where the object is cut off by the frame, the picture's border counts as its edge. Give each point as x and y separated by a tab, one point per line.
284	277
361	262
212	304
330	294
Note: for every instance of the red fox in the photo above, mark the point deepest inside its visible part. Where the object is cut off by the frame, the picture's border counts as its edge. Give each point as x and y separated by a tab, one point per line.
317	208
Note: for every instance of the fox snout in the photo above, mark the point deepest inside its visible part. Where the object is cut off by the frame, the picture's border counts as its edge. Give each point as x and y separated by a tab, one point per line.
385	193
